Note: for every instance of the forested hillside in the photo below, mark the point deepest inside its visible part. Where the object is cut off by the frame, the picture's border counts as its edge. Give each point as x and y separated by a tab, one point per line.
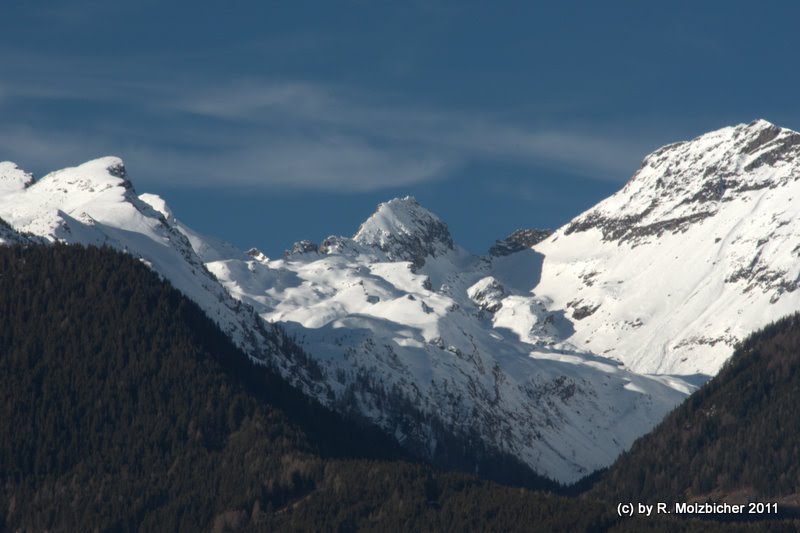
124	408
123	404
737	438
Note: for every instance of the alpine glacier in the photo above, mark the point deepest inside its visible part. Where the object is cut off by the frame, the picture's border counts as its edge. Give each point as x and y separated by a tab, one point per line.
558	348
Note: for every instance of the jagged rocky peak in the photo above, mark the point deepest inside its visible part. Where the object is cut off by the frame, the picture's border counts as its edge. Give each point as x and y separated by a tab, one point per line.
738	149
519	240
13	178
405	231
257	254
488	294
685	182
302	247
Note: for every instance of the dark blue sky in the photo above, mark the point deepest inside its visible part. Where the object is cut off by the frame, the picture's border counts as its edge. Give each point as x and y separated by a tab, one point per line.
267	122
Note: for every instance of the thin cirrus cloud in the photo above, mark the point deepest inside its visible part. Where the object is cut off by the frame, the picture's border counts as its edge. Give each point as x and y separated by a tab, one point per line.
459	137
328	164
296	135
40	151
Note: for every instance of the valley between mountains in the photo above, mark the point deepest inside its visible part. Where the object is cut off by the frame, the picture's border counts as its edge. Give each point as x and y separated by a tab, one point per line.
554	351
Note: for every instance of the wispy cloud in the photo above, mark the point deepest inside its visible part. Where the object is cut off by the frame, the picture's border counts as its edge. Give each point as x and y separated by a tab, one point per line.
457	135
292	134
40	151
341	164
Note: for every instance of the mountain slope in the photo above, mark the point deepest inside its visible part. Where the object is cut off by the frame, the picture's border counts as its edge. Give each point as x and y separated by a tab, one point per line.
125	408
96	204
553	352
735	439
664	277
123	404
697	250
427	340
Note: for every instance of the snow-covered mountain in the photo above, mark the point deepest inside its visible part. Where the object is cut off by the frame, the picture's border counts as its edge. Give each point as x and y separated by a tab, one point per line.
557	348
698	249
404	323
95	204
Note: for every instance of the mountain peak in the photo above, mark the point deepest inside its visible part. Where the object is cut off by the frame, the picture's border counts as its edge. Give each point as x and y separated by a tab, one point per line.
685	182
760	122
405	231
93	176
102	166
13	178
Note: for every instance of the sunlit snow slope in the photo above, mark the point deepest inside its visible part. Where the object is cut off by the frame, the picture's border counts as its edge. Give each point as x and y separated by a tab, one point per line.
94	203
700	247
559	349
403	320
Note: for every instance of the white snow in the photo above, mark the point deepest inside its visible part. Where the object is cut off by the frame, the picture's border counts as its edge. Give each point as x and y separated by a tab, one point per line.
676	301
94	204
561	355
424	331
12	178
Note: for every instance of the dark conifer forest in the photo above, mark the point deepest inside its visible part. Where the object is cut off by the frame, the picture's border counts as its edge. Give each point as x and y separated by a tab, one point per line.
737	438
124	408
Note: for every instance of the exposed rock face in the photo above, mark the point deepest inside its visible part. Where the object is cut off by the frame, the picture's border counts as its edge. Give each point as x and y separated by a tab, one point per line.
302	247
518	241
487	294
257	254
683	183
405	231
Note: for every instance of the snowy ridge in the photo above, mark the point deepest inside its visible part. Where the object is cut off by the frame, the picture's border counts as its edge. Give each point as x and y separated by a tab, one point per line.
697	250
558	349
445	339
95	204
